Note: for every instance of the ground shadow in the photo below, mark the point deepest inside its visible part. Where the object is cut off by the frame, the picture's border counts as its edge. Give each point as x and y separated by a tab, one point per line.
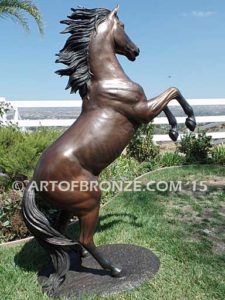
75	266
32	257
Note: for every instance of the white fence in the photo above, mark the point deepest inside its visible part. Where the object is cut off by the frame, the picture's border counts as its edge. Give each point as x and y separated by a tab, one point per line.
22	123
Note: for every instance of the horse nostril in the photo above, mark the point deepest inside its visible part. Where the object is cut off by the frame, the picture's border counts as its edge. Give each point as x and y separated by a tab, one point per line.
137	51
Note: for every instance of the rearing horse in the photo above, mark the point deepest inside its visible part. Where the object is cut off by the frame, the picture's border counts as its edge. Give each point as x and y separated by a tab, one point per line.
113	108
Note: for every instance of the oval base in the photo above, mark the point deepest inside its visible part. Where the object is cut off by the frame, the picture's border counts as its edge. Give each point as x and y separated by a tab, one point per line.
139	265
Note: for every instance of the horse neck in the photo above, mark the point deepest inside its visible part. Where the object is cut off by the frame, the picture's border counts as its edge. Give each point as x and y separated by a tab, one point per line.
103	62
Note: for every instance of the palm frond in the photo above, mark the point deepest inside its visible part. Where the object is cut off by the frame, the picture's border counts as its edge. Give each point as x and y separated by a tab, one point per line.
15	15
15	8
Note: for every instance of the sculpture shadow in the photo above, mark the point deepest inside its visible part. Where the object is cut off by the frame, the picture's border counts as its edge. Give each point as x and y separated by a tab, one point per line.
75	266
32	257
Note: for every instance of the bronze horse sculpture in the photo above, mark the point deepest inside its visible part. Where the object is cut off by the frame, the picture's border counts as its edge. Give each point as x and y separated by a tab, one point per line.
113	108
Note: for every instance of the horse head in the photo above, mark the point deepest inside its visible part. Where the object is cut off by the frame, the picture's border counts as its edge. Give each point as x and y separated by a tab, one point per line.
122	42
85	26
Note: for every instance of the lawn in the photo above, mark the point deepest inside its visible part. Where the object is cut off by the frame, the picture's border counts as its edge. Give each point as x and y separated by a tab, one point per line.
185	229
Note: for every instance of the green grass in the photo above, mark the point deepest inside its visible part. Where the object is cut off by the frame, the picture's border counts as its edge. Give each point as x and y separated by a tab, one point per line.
186	231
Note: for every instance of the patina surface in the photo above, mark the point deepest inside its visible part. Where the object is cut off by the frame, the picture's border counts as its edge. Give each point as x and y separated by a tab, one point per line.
113	108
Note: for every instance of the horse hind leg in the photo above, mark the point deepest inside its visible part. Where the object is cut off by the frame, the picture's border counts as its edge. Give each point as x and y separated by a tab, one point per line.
62	221
61	225
87	228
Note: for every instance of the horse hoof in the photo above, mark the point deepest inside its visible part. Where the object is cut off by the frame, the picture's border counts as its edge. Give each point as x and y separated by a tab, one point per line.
191	123
84	253
173	134
116	272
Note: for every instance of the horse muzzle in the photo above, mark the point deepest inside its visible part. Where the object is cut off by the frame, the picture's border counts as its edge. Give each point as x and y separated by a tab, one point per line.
133	53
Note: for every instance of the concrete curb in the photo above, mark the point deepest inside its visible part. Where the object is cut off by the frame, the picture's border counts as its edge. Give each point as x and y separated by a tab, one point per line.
17	242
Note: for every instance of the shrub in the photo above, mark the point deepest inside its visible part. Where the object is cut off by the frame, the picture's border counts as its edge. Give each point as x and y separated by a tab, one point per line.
196	148
169	159
141	146
124	168
218	154
4	108
19	151
11	223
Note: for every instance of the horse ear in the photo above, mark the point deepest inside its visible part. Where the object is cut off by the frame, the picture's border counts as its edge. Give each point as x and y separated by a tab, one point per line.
114	11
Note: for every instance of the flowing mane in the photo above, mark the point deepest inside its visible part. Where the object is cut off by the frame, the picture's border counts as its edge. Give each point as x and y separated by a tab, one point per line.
81	24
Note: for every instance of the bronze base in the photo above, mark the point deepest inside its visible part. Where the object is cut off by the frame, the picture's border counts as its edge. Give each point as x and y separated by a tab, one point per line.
139	265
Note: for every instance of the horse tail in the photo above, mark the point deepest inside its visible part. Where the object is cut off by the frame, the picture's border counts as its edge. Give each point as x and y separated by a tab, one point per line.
39	225
52	240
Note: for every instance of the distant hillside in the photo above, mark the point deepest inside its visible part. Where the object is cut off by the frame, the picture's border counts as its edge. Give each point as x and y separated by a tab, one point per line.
73	113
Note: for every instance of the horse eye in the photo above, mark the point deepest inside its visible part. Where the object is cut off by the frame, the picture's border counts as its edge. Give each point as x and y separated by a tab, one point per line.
122	25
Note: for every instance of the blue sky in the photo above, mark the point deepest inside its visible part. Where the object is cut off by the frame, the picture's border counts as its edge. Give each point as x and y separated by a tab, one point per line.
182	44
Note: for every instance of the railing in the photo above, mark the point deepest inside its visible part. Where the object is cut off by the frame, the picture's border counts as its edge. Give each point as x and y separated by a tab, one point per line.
77	104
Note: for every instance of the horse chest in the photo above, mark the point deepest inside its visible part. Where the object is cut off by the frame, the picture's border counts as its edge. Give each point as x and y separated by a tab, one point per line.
125	92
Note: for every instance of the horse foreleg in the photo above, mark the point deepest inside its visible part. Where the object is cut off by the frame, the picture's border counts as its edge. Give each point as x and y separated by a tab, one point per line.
173	133
87	229
155	106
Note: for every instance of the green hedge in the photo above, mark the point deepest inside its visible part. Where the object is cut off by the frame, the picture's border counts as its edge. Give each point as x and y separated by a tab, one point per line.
218	154
195	148
20	151
142	147
169	159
